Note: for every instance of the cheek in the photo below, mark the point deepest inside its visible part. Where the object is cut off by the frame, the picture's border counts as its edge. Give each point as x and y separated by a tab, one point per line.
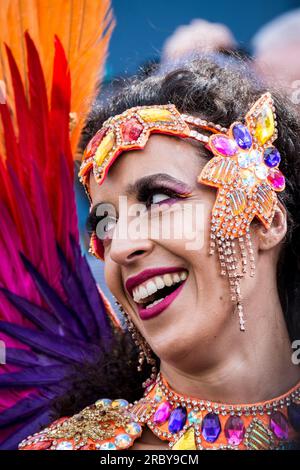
113	278
185	228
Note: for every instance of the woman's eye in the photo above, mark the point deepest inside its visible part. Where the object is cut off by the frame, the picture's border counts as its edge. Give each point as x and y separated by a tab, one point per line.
109	224
158	197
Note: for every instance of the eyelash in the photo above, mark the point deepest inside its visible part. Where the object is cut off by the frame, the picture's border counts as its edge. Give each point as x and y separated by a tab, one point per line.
144	197
149	193
92	221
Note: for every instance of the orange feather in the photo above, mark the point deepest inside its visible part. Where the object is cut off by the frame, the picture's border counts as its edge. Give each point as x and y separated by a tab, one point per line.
84	28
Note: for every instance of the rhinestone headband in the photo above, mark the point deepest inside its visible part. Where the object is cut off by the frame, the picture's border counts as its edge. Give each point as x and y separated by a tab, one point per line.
131	131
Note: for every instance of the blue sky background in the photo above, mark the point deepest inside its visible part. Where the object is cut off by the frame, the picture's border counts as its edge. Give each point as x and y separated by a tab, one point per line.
143	26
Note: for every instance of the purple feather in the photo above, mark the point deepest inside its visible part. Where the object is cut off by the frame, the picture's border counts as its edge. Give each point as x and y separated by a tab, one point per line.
59	309
69	350
21	357
26	226
77	298
38	316
95	300
28	427
36	376
22	410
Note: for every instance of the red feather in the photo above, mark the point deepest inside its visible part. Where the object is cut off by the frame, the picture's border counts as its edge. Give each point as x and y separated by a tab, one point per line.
23	119
11	145
59	138
38	102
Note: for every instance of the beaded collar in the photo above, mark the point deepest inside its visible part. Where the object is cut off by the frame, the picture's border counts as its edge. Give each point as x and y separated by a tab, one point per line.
191	424
186	423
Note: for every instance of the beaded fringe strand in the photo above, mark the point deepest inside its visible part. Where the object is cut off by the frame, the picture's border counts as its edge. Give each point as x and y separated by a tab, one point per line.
232	268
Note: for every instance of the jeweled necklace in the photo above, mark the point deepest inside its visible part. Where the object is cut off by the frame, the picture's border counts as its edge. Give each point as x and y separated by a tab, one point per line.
191	424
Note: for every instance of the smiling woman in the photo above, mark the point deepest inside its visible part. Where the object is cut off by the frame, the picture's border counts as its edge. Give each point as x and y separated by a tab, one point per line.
196	215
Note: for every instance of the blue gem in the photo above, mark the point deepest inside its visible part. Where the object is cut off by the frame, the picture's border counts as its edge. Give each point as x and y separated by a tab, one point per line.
123	441
105	402
294	416
194	418
64	445
133	428
242	136
177	420
108	446
211	427
272	157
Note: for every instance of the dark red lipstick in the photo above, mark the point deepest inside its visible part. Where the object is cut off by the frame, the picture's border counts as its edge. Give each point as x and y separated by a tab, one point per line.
143	276
150	312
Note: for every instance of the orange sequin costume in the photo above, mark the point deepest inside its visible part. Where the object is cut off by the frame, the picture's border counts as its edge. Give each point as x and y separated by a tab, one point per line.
186	423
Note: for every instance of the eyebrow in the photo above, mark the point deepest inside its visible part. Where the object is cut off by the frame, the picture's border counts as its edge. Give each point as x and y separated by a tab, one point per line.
153	181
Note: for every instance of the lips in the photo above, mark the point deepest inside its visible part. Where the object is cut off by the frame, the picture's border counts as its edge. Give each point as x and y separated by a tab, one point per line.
153	290
134	281
157	309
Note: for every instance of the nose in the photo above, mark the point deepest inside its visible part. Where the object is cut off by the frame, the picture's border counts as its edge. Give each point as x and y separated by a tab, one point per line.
125	250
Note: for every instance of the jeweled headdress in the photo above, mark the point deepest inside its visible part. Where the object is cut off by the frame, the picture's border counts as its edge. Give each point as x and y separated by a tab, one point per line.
244	169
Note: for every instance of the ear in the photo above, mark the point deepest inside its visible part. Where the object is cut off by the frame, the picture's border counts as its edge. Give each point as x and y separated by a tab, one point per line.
273	236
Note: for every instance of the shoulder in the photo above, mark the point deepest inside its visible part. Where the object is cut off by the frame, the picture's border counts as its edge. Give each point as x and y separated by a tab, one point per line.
106	425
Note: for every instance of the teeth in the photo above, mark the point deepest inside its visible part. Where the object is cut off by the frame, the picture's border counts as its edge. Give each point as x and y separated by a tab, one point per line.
159	282
168	280
143	292
176	278
183	275
151	286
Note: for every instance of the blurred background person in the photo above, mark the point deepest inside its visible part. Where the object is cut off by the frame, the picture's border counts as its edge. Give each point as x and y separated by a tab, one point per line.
276	51
198	37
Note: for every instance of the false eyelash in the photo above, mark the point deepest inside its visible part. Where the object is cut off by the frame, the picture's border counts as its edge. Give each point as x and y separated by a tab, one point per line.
92	221
146	193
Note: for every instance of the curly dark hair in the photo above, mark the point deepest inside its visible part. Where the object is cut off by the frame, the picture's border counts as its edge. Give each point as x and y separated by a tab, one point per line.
222	91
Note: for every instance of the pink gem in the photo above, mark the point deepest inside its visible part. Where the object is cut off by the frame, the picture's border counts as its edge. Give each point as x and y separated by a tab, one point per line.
276	179
95	142
224	145
131	130
162	413
279	425
234	430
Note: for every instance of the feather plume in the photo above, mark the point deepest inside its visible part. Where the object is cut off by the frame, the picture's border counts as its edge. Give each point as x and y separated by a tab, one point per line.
83	28
53	319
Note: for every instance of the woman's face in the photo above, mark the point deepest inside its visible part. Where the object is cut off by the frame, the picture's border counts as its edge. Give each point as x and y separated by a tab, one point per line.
146	266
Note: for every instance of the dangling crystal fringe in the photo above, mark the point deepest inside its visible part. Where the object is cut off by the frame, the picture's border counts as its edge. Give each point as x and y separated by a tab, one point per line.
227	251
251	254
243	255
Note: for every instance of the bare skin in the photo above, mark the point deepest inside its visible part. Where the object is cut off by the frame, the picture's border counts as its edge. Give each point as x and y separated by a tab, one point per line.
197	338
